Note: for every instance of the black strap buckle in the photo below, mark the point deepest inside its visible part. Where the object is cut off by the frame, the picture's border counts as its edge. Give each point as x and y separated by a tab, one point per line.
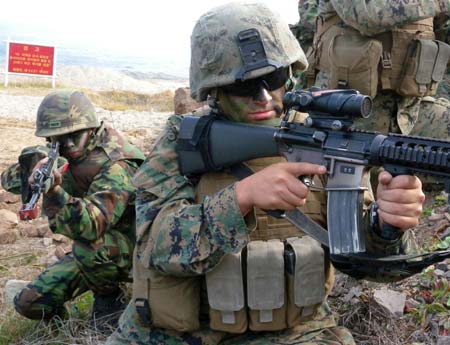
143	310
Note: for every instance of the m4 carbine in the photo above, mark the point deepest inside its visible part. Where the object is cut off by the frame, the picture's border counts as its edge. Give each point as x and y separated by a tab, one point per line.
212	143
43	179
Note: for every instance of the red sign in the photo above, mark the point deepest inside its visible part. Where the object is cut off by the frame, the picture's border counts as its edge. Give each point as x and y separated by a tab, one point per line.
31	59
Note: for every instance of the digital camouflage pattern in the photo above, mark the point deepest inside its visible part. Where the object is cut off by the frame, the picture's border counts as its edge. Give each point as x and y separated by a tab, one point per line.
376	16
65	111
94	206
442	30
183	238
219	61
426	116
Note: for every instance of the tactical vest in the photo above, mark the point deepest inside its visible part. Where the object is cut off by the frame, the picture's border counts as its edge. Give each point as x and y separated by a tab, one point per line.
235	293
407	59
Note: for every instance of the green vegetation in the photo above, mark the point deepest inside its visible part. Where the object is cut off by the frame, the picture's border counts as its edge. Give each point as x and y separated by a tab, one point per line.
74	328
435	295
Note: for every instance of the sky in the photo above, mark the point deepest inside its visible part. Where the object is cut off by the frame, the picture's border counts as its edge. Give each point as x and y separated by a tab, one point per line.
155	28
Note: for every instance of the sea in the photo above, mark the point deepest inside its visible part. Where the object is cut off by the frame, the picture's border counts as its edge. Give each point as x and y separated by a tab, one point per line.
144	67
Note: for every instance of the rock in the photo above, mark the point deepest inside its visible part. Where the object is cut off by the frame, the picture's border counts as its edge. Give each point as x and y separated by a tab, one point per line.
436	216
438	273
354	292
183	103
8	219
9	198
443	340
8	236
411	304
52	260
62	250
29	230
440	226
442	266
447	215
12	287
47	241
392	301
43	230
58	239
445	233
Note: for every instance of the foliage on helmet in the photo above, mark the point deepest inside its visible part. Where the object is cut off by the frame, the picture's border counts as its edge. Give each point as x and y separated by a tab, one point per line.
65	111
216	58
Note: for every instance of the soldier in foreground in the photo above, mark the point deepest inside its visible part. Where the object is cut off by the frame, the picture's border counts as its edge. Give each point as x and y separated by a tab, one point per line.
92	203
200	238
386	50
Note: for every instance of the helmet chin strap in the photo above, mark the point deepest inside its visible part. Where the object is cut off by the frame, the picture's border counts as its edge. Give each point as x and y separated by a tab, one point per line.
290	83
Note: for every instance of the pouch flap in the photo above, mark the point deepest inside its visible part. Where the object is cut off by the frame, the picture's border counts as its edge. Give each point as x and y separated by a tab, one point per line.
442	59
353	52
265	275
225	284
428	51
309	271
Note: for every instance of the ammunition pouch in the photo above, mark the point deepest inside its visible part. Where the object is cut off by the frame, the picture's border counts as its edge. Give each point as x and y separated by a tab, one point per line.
295	272
354	62
406	59
424	67
166	301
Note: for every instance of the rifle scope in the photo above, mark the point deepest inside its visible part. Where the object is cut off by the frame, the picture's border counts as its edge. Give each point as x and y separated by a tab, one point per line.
338	103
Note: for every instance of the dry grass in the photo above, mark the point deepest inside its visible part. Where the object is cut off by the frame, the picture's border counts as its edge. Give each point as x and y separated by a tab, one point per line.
126	100
32	87
114	100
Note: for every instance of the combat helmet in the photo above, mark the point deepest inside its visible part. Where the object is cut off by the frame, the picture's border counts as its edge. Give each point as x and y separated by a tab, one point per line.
237	42
65	111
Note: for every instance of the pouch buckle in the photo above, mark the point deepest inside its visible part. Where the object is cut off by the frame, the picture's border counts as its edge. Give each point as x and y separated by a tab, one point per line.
386	60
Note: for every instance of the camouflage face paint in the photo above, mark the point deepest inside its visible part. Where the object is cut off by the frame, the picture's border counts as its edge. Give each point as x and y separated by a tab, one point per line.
73	145
263	108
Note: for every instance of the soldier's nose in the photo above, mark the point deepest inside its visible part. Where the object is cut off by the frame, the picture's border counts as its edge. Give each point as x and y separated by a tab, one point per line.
262	96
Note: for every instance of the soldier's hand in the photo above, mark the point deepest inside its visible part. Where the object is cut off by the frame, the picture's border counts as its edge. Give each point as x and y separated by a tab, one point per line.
399	200
56	180
276	187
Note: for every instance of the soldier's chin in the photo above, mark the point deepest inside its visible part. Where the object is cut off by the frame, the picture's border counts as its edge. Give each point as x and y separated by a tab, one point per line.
73	155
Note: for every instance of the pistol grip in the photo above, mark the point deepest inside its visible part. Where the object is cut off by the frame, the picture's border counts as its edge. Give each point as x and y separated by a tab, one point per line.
389	232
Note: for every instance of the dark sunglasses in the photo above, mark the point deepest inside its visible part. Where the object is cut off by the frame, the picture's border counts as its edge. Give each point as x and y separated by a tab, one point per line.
252	87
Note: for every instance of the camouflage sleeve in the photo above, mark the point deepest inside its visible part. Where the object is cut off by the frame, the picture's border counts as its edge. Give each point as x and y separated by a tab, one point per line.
372	17
10	179
182	237
89	217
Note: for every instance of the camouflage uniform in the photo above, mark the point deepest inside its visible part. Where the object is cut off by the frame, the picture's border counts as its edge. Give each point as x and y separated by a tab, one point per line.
442	30
183	236
391	112
95	208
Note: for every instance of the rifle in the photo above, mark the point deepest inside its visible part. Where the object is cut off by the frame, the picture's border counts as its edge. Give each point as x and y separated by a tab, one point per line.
212	143
43	179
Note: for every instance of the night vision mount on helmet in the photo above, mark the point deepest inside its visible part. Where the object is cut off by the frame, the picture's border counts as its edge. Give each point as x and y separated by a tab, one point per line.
230	48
